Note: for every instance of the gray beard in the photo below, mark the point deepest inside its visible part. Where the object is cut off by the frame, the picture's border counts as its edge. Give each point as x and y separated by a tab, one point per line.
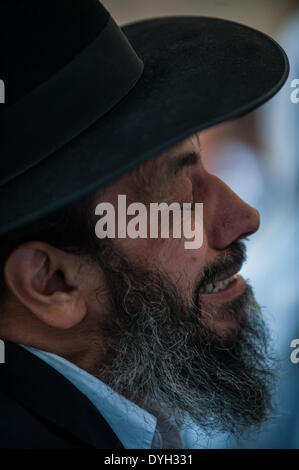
159	350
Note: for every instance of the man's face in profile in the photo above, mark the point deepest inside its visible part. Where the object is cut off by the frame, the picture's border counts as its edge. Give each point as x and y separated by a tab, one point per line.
209	275
184	328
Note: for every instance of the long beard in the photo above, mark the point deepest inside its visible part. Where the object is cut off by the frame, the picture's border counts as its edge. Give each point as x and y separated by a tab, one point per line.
162	351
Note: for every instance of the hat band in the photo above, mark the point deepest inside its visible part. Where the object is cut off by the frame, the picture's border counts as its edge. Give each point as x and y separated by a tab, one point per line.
68	103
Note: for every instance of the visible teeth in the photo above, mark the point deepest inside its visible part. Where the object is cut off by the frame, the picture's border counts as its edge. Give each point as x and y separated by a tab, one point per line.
217	286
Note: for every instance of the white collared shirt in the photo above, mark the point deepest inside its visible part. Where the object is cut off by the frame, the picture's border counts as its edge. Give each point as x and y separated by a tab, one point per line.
135	427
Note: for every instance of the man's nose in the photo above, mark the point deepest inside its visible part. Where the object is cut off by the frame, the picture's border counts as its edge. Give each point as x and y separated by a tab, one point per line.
227	218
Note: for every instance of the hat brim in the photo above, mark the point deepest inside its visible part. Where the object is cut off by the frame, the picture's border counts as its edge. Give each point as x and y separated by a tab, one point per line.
198	72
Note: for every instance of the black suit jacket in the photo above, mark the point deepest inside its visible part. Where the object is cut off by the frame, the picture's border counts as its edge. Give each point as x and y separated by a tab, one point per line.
40	408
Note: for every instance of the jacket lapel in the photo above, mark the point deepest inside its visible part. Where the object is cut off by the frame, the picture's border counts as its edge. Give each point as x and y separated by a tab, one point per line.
46	392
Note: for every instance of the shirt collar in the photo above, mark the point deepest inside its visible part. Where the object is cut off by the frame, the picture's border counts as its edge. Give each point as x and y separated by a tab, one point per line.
134	426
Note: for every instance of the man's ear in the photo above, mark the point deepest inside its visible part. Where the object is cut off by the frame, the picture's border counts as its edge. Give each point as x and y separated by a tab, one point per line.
44	280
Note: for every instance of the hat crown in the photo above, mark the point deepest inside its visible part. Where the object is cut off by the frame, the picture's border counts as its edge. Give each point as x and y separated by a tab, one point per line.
39	38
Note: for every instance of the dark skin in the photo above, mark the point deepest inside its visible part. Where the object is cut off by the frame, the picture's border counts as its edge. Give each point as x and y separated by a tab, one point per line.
52	302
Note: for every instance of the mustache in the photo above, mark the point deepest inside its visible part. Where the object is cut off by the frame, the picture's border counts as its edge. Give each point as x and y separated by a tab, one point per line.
231	261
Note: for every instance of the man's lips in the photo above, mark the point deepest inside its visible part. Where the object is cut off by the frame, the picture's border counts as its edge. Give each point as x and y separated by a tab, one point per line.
223	286
212	280
216	286
224	290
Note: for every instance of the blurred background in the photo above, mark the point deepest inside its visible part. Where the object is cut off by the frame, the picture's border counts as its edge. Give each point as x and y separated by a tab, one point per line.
265	15
257	156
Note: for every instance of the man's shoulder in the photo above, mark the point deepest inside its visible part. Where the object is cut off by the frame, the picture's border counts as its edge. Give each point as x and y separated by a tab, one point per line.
40	408
21	429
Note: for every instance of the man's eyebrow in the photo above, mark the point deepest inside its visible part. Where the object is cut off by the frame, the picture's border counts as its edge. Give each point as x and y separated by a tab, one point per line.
181	161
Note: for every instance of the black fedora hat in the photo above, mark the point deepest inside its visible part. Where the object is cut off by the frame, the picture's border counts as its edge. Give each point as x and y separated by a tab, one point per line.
85	100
